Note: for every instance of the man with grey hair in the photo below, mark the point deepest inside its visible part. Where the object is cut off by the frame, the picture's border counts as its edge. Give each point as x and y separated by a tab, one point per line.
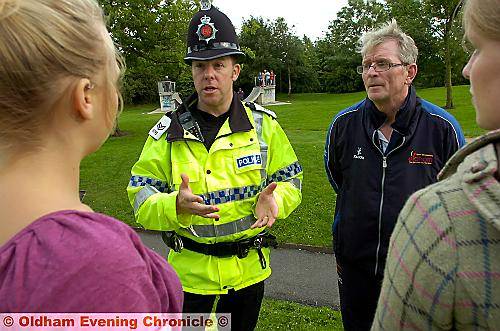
378	152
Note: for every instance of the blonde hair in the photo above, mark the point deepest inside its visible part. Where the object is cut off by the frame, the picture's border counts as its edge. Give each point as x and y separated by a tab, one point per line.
45	47
408	51
484	17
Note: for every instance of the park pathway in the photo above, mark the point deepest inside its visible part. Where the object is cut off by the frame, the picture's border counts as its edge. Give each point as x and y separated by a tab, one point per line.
301	275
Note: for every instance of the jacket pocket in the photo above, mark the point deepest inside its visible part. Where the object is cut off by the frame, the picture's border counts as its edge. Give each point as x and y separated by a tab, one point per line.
191	169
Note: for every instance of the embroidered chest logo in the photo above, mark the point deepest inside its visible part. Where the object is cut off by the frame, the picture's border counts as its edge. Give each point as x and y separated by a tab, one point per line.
359	155
418	158
249	160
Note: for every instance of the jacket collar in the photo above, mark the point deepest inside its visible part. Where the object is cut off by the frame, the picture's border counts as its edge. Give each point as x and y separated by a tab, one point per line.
452	165
238	118
404	122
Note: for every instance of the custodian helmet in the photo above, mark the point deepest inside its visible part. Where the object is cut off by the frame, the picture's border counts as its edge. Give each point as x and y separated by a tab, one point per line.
211	35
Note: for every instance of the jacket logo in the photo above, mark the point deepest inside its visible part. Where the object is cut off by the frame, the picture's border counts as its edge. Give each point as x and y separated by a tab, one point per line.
418	158
249	160
358	155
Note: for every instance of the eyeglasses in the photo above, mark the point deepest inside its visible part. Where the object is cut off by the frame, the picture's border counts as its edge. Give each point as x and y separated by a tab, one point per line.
378	67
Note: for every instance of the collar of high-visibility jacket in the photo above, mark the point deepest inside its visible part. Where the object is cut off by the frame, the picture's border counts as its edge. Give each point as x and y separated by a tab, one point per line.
238	119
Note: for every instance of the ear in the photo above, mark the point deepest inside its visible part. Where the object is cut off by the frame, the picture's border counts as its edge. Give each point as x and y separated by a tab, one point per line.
83	99
236	71
412	72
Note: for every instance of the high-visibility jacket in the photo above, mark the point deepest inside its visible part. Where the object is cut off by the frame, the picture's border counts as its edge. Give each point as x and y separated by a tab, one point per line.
251	150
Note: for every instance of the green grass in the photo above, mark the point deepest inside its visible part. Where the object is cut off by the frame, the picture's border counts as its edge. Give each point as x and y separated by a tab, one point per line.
283	315
105	174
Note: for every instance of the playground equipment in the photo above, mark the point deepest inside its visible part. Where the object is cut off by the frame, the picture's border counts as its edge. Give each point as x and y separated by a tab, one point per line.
169	99
263	95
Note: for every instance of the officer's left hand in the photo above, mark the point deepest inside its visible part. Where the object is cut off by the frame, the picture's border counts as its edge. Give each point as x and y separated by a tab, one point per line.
266	209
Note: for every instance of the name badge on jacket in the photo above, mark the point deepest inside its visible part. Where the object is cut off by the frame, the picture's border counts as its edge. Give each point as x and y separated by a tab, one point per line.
248	160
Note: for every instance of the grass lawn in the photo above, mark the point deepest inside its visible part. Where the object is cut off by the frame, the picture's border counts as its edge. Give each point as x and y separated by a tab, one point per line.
283	315
105	174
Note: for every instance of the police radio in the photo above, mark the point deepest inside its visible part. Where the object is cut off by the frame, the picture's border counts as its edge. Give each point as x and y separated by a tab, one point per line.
190	125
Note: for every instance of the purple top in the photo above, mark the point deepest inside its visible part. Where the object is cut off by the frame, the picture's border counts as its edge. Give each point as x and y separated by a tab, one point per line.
72	261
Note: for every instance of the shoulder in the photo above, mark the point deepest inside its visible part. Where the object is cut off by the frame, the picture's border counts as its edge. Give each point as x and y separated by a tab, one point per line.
161	126
441	116
69	231
348	112
479	151
255	107
76	255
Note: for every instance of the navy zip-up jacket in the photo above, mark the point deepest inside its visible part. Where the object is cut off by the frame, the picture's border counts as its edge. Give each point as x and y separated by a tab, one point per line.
372	186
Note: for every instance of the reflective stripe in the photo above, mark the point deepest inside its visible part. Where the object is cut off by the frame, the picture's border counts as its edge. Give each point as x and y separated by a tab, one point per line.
143	195
220	230
231	194
286	173
161	186
258	119
246	192
295	182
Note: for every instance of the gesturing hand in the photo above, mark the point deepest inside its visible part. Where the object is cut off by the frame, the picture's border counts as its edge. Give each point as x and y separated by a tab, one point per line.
188	203
266	209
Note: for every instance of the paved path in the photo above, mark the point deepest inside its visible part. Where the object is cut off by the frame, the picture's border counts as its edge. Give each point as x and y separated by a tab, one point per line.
298	275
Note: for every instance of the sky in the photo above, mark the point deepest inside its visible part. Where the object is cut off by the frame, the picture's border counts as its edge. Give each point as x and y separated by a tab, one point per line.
311	17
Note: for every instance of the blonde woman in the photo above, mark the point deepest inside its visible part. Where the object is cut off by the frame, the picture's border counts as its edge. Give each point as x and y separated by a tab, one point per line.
58	103
443	269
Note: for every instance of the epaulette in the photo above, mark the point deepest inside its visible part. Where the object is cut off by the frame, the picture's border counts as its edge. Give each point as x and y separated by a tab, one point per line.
256	107
161	126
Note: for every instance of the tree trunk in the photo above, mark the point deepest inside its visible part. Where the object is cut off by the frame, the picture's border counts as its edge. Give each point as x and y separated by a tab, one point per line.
447	57
289	82
117	132
281	82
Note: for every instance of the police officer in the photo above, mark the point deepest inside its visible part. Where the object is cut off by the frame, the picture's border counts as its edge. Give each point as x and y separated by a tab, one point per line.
214	175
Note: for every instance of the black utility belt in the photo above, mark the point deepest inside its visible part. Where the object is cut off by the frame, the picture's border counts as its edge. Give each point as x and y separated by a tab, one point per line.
223	249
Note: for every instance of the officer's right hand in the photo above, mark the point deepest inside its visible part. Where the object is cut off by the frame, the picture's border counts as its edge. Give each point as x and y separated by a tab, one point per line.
188	203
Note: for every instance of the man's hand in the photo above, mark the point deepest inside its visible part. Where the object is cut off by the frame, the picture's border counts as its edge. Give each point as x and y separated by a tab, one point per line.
266	209
188	203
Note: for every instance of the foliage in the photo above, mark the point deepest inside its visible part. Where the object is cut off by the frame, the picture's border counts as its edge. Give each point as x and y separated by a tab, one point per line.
274	46
435	29
151	36
437	32
106	173
338	50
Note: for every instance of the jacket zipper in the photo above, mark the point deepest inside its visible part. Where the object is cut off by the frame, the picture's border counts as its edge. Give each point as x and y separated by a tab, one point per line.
384	167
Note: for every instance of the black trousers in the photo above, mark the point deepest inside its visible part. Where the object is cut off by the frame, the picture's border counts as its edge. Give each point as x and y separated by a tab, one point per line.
359	291
243	305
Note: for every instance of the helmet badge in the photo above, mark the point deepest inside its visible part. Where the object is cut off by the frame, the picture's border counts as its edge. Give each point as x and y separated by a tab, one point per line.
206	4
206	30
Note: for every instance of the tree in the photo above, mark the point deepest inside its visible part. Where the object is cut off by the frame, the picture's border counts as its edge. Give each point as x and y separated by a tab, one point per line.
274	45
289	48
338	50
151	35
436	32
256	39
444	14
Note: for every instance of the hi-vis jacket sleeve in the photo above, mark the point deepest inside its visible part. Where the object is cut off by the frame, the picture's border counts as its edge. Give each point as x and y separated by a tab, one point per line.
150	189
284	169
